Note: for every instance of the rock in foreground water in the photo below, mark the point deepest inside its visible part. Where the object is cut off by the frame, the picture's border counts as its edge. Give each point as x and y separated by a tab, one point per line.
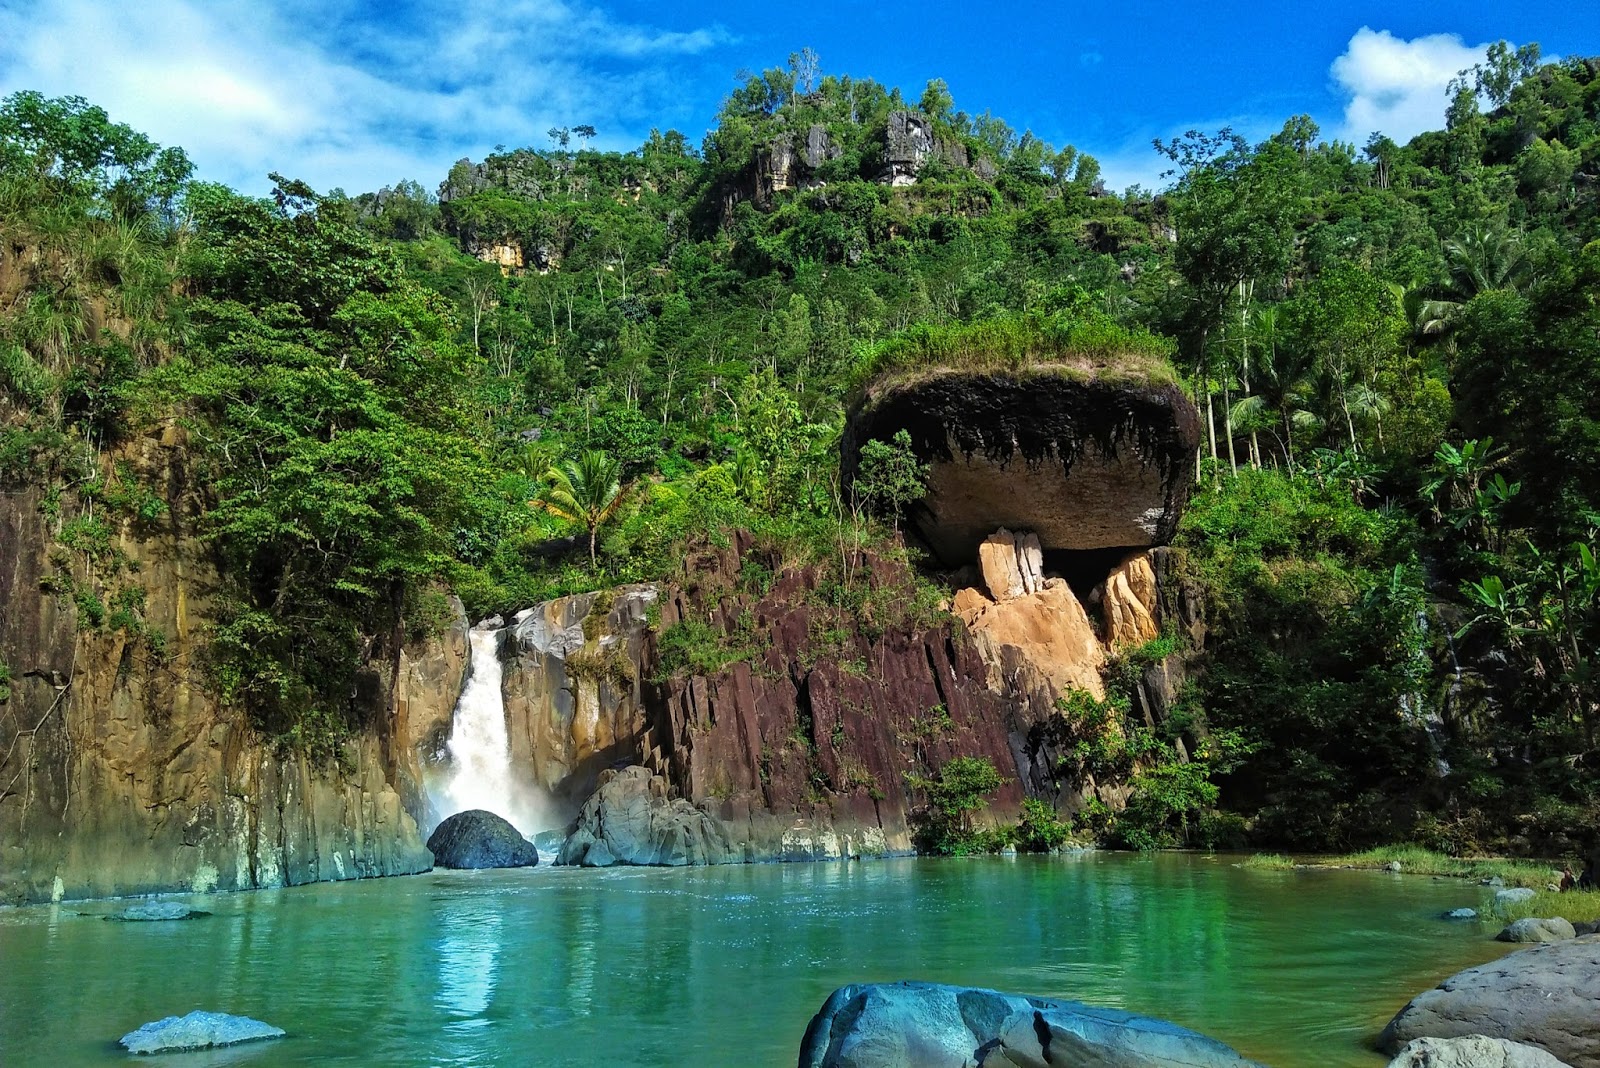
1545	996
198	1030
1474	1052
152	911
480	839
631	820
928	1025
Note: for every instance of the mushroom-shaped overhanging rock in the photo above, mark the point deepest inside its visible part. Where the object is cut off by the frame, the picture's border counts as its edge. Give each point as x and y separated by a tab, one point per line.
1083	458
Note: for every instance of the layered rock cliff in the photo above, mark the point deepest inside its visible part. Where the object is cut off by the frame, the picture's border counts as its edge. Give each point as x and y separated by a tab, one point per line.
120	773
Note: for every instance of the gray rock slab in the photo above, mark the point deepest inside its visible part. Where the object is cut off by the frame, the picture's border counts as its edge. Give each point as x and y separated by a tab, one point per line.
1546	996
198	1030
929	1025
1472	1052
1461	914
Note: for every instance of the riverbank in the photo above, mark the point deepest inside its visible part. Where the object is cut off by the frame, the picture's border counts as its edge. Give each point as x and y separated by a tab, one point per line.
1576	906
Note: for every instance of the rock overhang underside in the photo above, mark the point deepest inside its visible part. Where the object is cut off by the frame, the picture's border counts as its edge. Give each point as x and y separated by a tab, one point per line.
1084	463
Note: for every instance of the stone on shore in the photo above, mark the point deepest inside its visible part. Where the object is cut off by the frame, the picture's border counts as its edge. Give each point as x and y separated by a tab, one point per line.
1473	1052
153	911
1533	929
1546	996
479	839
198	1030
1504	899
929	1025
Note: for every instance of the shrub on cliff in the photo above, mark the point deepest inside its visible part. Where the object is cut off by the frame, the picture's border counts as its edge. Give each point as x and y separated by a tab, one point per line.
945	825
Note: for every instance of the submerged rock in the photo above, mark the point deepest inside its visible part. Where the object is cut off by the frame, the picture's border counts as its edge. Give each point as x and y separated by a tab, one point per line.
631	820
152	911
198	1030
1533	929
1461	914
480	839
929	1025
1473	1052
1546	996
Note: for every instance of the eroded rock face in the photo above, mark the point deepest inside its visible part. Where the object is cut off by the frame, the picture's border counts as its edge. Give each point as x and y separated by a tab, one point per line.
928	1025
1545	996
574	689
480	839
1083	464
126	775
632	819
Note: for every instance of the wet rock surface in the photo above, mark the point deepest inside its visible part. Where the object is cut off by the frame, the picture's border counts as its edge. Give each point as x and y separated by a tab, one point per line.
480	839
157	911
1474	1052
197	1030
929	1025
631	819
1545	996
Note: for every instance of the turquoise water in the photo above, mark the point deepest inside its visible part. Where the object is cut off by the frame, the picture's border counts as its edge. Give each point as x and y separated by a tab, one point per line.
724	966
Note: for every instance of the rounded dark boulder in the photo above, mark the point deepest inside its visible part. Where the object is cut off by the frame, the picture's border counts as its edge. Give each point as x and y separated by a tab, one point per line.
480	839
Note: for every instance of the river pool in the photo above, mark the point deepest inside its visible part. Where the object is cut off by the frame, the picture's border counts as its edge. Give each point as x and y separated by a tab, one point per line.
724	966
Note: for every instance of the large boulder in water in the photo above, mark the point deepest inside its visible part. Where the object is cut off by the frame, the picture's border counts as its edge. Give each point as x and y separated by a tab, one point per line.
1545	996
929	1025
630	819
198	1030
479	839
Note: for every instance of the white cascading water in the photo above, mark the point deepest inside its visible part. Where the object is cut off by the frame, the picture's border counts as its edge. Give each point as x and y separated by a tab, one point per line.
479	774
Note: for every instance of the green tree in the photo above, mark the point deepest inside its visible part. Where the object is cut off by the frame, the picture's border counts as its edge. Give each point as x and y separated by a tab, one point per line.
890	478
587	491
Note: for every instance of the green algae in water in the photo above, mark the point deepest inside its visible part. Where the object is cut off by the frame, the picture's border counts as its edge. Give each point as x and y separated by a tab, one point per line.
726	965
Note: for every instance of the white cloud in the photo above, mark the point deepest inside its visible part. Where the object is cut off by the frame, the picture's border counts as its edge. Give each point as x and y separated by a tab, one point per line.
1396	86
315	89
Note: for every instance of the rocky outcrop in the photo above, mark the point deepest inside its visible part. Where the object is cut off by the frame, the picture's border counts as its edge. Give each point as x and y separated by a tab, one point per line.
574	680
121	773
1082	462
1546	996
927	1025
478	839
1041	640
1474	1052
910	143
197	1030
632	819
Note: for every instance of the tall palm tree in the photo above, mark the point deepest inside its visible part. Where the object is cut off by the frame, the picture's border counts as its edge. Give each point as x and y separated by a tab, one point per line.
588	490
1283	379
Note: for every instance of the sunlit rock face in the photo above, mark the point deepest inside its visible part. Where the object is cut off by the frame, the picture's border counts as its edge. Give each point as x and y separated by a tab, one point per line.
1079	462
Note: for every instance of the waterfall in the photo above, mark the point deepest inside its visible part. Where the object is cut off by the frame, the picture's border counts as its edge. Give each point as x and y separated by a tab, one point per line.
479	773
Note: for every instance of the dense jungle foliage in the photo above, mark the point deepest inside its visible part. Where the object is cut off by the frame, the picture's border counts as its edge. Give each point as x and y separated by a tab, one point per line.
1395	349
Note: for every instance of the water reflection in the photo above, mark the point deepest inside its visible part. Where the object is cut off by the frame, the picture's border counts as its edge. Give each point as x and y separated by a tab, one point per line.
469	960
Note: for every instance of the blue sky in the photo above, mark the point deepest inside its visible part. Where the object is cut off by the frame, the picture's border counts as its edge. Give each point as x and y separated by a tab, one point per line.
360	94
